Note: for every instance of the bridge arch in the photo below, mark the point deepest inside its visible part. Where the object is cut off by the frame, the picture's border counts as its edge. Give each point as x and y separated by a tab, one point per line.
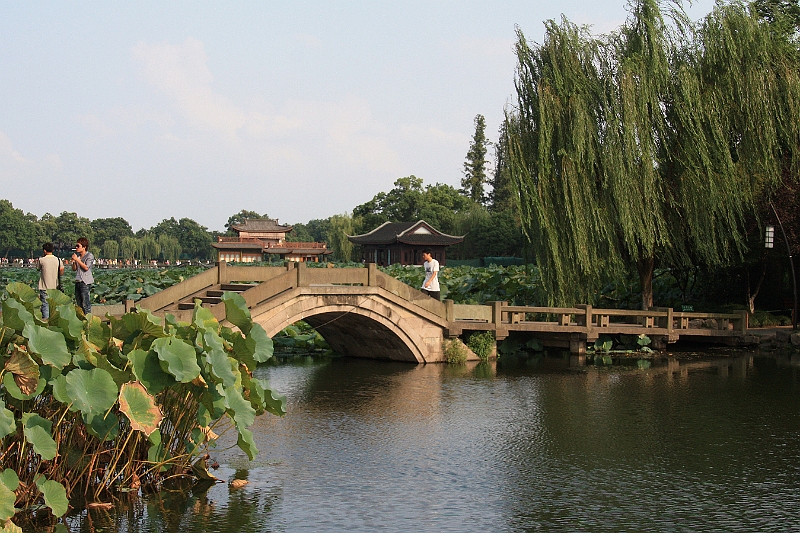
358	325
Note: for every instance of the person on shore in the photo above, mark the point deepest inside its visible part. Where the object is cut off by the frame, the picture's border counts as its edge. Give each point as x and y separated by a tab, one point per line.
431	283
82	263
50	268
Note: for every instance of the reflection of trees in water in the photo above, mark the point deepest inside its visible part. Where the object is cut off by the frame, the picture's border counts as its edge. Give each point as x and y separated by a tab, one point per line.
199	508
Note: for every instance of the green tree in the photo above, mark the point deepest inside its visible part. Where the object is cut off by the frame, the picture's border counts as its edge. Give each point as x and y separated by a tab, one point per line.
12	227
131	248
194	239
69	227
502	196
111	229
340	226
170	247
641	147
474	180
110	249
240	217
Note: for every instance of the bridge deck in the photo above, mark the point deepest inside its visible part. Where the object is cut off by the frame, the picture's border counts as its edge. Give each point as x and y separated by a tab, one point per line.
561	327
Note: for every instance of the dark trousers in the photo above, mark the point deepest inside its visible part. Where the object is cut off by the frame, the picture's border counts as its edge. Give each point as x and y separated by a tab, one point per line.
434	294
82	296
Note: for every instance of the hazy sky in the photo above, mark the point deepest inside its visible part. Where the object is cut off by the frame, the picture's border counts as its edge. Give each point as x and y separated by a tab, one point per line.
301	110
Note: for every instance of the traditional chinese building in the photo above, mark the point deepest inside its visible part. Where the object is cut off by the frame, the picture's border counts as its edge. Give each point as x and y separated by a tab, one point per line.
258	239
403	242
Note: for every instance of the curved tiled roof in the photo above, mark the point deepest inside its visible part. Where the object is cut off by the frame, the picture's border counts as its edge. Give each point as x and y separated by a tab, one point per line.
419	232
261	225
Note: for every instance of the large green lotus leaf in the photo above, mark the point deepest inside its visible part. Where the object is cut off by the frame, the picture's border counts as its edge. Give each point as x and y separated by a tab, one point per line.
8	424
24	369
99	360
213	399
56	298
24	293
203	318
37	432
203	416
236	311
15	315
246	443
212	341
242	412
55	495
59	385
66	319
49	345
9	478
98	333
139	407
141	321
243	349
92	391
273	402
177	358
104	426
147	370
7	498
14	390
222	367
263	348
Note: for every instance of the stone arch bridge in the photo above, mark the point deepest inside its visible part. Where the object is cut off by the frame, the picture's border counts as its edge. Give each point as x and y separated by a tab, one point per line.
363	312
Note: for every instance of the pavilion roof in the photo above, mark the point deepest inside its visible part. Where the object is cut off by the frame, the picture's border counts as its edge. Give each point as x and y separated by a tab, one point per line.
416	233
261	225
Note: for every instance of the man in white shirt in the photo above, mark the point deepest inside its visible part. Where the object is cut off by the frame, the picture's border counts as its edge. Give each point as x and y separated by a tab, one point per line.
50	268
431	283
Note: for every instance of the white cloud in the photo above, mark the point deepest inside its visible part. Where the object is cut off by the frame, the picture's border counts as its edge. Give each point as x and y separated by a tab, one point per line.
7	151
181	72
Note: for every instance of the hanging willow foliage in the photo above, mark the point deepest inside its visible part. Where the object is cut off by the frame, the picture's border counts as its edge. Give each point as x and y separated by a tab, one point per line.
648	144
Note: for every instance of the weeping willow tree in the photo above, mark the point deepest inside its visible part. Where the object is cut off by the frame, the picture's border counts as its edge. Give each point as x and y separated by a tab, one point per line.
647	146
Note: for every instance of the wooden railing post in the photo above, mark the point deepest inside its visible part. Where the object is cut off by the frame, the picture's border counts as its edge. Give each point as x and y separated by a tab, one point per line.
222	276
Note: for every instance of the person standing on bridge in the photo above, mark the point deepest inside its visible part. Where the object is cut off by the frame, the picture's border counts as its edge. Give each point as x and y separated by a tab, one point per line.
431	283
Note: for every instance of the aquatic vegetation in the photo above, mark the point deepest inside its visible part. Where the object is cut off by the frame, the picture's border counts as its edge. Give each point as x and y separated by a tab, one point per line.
89	407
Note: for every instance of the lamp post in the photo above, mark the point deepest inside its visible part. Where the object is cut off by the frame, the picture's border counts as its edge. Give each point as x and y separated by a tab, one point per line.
768	239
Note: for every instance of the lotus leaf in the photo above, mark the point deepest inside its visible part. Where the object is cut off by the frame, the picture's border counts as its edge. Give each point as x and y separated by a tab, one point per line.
24	293
99	360
147	369
246	443
140	408
98	333
243	413
8	424
37	432
263	348
15	392
213	399
67	320
57	298
15	315
213	341
59	385
142	321
7	498
177	358
203	318
49	345
236	311
24	369
157	454
263	398
92	391
9	478
200	470
104	426
222	367
55	495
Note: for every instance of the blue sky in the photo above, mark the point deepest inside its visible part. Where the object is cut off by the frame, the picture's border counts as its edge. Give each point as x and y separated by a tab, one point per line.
301	110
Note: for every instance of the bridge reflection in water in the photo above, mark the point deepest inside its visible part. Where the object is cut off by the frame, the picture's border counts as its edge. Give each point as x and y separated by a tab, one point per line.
362	312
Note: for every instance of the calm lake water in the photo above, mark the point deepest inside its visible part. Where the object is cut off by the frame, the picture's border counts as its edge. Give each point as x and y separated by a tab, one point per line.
702	444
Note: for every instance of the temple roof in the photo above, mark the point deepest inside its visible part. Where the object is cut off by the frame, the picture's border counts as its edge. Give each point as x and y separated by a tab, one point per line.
261	225
416	233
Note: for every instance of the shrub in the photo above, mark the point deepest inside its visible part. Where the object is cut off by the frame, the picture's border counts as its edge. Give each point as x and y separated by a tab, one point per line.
481	344
94	406
455	351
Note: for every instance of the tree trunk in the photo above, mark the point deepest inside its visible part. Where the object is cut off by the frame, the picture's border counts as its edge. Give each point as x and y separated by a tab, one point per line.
645	266
751	294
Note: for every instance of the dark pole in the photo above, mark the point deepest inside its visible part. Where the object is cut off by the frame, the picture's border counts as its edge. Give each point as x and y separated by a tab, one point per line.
791	267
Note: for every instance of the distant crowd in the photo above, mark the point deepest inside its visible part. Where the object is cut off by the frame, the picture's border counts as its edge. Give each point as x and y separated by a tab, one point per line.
105	263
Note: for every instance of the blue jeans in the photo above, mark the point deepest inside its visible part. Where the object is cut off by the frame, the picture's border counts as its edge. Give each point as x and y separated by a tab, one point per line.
82	296
45	305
